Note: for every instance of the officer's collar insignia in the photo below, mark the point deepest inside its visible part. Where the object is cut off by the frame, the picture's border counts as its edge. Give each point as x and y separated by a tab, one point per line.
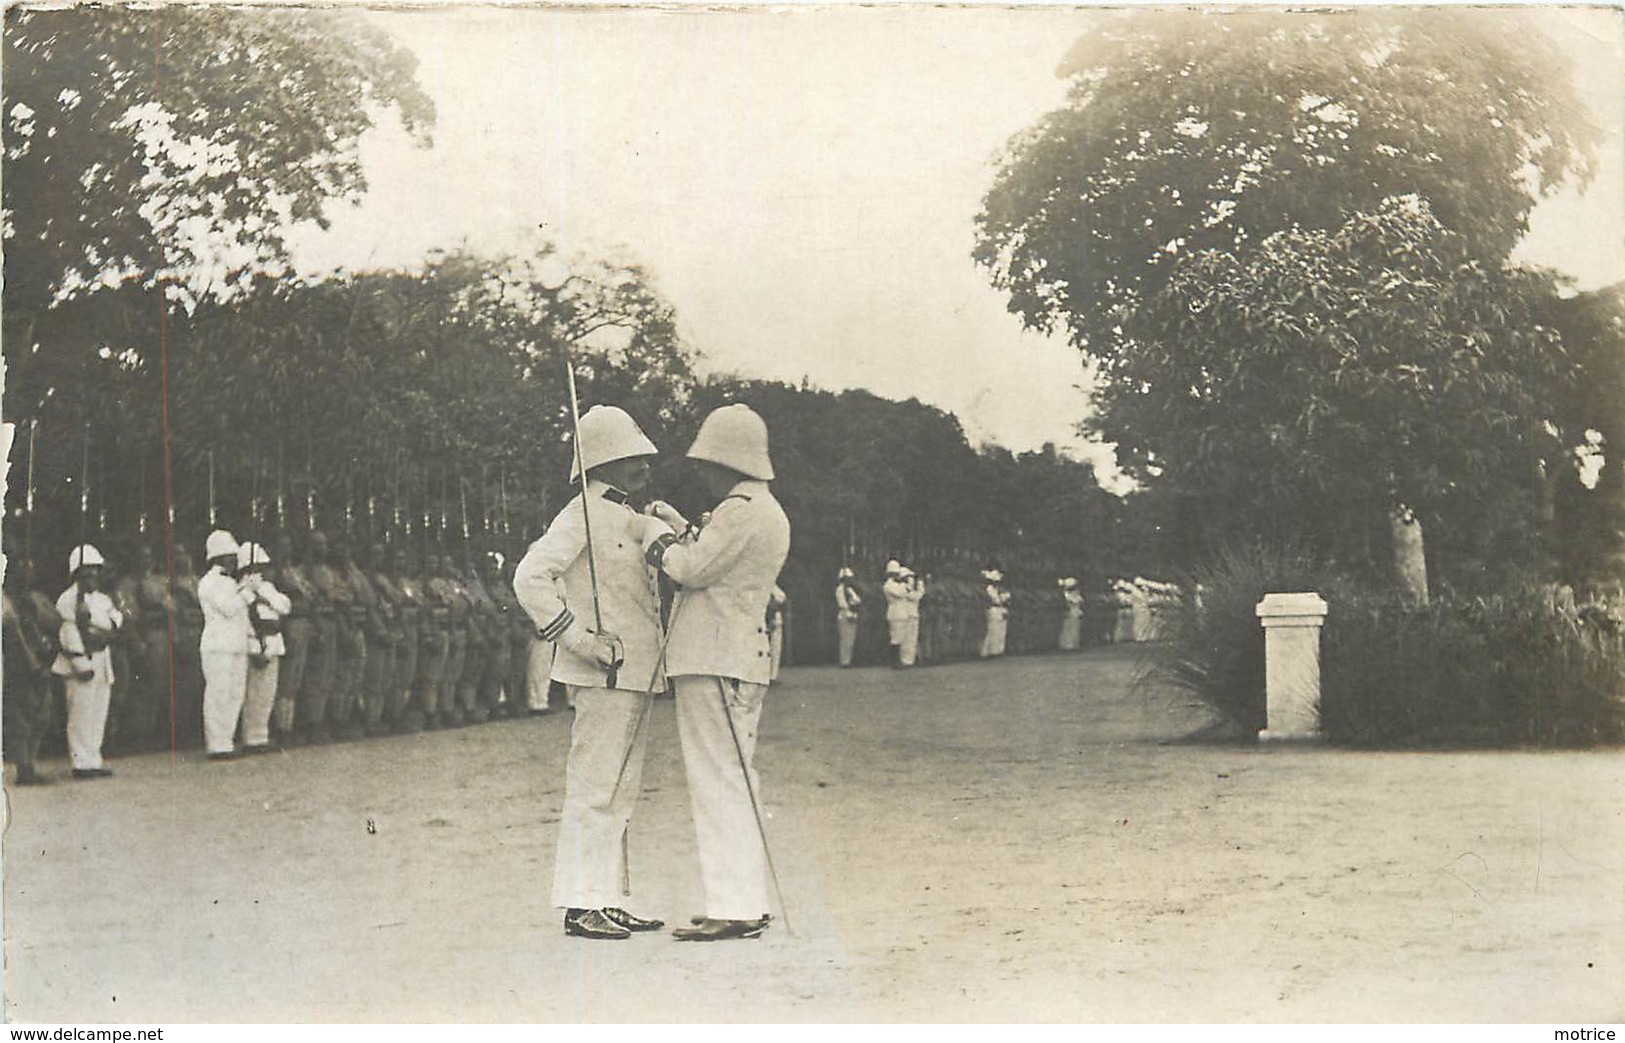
614	495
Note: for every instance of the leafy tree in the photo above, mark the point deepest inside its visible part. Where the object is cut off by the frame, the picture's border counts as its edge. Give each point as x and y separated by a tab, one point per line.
176	142
1260	165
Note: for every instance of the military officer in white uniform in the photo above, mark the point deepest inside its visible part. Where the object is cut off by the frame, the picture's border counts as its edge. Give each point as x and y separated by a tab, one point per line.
718	656
84	660
610	671
223	647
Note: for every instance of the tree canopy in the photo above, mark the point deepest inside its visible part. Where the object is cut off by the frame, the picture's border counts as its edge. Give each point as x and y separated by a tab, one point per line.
1283	238
178	142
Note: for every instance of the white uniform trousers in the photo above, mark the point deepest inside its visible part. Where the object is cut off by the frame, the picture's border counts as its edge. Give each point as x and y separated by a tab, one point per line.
87	712
259	699
846	630
997	628
225	684
908	644
588	868
733	863
1071	632
538	674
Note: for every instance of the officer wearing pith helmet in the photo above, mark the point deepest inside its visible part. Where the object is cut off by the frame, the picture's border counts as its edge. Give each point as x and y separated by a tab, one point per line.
718	656
587	587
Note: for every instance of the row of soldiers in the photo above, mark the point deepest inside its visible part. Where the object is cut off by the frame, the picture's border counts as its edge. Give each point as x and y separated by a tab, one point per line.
938	617
376	639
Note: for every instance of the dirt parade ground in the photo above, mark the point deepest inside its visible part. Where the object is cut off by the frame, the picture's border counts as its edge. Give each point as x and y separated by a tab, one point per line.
1004	841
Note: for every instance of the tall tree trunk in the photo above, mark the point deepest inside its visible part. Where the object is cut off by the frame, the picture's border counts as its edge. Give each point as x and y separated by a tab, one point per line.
1410	563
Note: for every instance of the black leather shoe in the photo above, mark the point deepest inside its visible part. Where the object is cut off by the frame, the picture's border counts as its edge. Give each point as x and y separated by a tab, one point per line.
92	773
620	916
709	930
224	755
592	923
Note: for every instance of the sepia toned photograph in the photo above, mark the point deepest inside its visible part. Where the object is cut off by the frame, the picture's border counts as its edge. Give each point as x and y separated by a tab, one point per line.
820	514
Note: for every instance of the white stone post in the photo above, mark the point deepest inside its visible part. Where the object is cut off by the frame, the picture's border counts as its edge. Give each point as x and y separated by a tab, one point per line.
1292	625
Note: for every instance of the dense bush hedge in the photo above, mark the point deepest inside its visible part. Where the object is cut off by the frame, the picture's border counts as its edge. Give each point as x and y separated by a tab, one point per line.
1529	668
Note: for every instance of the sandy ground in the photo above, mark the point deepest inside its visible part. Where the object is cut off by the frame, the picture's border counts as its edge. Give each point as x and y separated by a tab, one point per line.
1000	841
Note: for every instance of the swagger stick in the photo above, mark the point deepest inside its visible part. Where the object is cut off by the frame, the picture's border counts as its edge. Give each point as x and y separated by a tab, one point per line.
586	515
755	807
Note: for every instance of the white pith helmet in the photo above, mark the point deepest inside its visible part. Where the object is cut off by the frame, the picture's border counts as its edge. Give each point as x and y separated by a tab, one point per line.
608	433
845	573
251	554
220	544
893	567
735	437
84	556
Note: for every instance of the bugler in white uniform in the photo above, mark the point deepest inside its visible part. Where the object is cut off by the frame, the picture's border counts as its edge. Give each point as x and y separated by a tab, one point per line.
223	646
267	607
84	660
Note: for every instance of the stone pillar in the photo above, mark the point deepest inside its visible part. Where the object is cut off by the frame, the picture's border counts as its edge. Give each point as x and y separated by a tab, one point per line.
1291	665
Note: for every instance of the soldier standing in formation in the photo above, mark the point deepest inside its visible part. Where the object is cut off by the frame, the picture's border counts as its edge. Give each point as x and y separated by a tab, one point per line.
122	588
493	664
344	710
31	629
847	602
223	646
457	600
927	609
435	647
717	655
298	639
146	710
89	623
267	608
187	691
316	695
586	586
406	591
518	631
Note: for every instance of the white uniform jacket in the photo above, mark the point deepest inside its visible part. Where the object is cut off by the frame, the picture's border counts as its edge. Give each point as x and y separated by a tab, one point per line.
1074	603
225	614
847	601
897	603
554	586
998	601
104	618
727	571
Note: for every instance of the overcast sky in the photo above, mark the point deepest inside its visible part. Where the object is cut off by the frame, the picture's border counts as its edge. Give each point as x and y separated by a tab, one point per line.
802	186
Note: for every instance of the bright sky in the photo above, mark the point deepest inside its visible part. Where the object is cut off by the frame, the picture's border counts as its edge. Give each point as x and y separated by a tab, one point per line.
802	185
